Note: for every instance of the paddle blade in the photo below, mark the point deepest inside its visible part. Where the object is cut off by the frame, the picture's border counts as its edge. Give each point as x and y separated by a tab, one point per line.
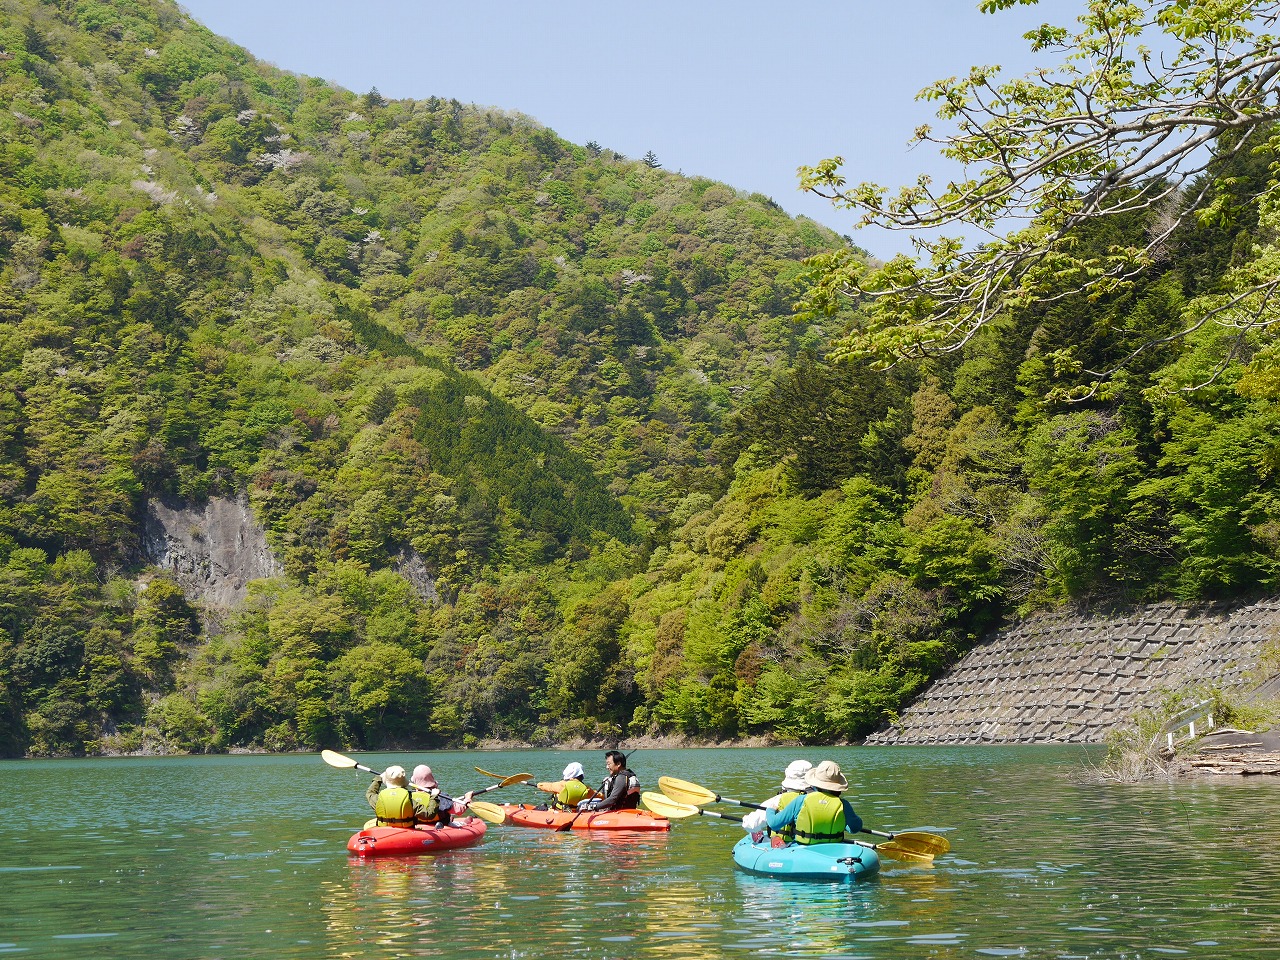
890	850
682	791
516	778
337	760
919	842
666	807
486	773
488	811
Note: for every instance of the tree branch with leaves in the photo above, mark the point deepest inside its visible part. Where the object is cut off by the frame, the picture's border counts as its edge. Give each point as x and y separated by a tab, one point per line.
1150	95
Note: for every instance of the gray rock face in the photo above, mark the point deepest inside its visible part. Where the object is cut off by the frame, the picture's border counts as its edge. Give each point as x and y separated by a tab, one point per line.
410	565
213	549
1073	678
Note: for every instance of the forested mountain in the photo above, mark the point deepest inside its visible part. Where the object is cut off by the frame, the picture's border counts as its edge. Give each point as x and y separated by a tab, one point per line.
570	385
401	327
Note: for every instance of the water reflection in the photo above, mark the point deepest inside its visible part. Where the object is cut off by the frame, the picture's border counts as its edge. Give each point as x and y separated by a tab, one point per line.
1041	867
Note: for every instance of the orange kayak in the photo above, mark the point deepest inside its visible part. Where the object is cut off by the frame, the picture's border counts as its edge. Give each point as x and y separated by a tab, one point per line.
400	841
526	815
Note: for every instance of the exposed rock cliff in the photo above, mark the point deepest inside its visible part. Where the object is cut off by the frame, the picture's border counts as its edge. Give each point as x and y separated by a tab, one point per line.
213	549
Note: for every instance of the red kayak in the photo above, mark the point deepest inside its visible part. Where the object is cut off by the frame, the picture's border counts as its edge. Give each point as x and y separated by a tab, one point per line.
526	815
401	841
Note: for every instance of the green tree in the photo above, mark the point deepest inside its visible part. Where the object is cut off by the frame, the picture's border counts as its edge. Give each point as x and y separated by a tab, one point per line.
1116	128
382	693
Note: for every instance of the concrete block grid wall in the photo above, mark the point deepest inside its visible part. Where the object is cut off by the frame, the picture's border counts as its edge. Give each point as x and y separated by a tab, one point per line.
1058	678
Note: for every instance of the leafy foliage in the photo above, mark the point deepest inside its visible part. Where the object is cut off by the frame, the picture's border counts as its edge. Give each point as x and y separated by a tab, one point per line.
1150	99
532	429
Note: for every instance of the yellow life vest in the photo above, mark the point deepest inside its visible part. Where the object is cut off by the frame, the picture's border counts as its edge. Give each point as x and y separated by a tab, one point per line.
394	808
572	792
432	810
821	819
788	832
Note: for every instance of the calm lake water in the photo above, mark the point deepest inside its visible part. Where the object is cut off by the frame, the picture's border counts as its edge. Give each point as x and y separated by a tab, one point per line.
214	857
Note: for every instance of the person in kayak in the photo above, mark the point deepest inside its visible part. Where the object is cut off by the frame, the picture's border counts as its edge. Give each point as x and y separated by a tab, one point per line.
621	788
424	781
793	785
394	805
570	790
822	815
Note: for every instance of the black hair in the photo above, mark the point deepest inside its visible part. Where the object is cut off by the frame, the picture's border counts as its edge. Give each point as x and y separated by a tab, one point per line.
617	756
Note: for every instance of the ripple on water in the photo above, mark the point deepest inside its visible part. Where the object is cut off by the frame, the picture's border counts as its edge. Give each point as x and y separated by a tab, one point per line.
1041	867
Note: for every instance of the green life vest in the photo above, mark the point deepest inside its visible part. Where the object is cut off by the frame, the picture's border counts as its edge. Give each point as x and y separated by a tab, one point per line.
788	832
572	792
821	819
394	808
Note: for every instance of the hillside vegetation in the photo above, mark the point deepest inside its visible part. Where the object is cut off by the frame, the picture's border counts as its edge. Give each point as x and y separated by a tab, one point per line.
570	385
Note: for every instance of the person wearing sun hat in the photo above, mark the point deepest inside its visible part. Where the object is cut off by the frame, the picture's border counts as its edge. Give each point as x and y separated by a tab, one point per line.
793	785
394	805
571	789
822	815
423	782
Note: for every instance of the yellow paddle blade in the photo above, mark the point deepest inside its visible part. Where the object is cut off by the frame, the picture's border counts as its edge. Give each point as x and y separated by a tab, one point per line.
516	778
337	760
496	776
890	850
919	842
488	811
682	791
666	807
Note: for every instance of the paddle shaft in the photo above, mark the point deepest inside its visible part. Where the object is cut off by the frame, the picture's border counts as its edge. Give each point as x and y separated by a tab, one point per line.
413	788
740	803
599	792
564	828
756	806
729	816
720	816
912	841
759	807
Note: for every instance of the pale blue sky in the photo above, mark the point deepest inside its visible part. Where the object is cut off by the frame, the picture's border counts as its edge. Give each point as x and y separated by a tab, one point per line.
742	92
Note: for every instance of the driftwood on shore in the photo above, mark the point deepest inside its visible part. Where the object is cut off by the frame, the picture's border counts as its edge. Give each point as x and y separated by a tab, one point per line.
1245	763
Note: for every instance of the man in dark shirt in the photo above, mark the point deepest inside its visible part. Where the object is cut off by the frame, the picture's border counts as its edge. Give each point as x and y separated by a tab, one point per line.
621	788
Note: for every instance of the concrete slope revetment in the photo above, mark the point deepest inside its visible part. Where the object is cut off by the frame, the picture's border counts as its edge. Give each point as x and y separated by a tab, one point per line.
1073	678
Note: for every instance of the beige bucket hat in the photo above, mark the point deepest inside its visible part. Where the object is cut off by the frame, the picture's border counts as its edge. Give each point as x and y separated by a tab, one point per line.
827	776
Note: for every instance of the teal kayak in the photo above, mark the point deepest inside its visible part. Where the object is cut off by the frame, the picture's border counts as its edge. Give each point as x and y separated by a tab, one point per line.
794	861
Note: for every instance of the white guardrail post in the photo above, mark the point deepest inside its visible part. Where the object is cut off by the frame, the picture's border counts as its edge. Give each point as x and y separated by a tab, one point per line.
1188	718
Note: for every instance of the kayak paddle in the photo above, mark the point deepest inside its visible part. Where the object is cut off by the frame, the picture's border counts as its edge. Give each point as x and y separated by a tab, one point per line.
488	811
674	810
506	782
345	763
909	841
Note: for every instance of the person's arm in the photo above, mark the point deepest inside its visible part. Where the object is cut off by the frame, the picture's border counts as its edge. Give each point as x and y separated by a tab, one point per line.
755	820
552	786
852	822
425	806
777	819
371	794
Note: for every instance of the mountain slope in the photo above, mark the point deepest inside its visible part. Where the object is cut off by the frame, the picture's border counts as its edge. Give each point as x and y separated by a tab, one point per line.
410	327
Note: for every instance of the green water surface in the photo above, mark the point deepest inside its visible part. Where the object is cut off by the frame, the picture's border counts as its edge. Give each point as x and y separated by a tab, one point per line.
216	857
